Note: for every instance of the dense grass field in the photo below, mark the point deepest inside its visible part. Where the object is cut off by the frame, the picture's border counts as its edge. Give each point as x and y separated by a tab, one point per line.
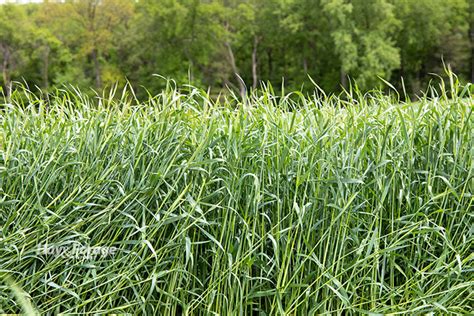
288	205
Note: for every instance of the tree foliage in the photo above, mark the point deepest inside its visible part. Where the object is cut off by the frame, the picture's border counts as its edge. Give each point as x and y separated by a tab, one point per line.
236	43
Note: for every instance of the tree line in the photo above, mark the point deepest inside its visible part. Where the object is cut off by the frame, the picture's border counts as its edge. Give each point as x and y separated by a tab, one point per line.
236	43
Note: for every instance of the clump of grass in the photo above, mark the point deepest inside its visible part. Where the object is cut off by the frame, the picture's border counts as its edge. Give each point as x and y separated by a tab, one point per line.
285	204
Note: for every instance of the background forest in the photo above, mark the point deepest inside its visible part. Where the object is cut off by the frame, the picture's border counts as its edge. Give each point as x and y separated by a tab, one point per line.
236	43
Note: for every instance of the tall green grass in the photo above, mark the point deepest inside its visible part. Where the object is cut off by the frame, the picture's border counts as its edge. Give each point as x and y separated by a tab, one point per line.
290	204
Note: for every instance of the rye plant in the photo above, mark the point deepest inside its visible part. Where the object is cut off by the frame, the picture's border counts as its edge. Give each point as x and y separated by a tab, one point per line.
284	204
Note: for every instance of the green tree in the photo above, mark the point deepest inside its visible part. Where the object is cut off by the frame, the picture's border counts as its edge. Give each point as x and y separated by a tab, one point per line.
176	39
362	37
431	30
92	29
14	30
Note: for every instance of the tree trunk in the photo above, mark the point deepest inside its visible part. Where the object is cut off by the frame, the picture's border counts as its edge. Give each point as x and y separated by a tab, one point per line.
6	72
95	59
45	69
189	55
91	15
343	75
255	62
416	83
235	69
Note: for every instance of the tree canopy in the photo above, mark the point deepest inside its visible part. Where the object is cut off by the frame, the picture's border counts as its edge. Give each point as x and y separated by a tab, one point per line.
236	43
